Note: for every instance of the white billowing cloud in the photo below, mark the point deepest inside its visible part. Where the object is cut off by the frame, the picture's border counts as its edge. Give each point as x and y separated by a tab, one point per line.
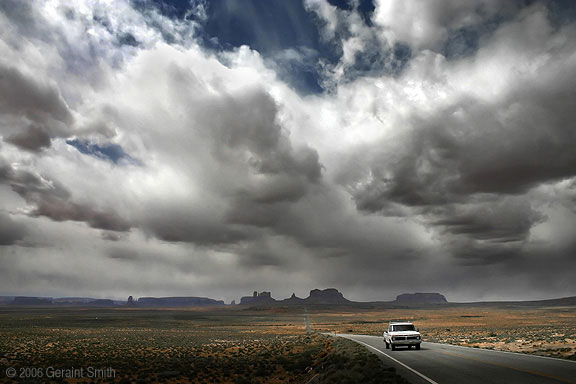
328	14
426	24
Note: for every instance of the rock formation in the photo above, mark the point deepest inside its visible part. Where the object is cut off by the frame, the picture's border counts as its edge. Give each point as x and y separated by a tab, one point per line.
33	301
177	302
326	296
101	303
293	300
262	298
421	298
317	296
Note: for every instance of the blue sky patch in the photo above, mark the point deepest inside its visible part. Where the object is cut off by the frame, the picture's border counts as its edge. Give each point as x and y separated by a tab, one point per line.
109	152
271	27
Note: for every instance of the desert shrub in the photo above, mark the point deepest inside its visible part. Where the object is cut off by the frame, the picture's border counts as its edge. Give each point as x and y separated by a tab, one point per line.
243	380
348	362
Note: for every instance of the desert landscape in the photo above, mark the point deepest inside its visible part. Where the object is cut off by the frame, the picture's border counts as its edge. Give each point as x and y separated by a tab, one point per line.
261	344
191	345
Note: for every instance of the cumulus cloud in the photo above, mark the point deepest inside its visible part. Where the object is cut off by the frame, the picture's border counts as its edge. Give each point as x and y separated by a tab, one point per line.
427	24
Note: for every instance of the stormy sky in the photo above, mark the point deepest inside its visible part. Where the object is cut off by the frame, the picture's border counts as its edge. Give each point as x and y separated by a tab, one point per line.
213	148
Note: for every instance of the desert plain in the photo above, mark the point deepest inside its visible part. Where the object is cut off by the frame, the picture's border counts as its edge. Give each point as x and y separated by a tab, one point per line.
259	345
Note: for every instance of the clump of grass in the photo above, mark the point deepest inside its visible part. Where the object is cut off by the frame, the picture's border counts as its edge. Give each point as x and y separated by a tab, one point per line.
346	362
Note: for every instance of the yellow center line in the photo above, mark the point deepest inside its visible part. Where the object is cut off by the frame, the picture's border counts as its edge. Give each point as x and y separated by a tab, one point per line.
537	373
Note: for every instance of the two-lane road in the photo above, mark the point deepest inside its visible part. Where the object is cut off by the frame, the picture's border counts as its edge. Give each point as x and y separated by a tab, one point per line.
449	364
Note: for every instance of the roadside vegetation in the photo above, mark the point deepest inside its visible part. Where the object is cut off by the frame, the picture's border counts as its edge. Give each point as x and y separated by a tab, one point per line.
184	346
346	362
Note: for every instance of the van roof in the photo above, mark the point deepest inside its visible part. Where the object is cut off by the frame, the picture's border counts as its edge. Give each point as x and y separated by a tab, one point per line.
401	322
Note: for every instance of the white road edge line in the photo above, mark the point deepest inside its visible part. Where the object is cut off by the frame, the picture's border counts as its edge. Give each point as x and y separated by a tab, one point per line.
391	358
495	350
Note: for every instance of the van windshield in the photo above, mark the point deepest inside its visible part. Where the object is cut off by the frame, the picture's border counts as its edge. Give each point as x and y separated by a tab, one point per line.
403	327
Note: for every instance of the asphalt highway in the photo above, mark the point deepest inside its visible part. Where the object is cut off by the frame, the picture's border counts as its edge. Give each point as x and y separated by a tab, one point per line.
448	364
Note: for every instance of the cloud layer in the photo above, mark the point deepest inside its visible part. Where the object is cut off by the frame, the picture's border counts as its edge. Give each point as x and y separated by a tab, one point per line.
143	153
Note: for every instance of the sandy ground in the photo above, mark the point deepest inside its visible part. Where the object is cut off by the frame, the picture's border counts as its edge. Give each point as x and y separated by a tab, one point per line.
542	331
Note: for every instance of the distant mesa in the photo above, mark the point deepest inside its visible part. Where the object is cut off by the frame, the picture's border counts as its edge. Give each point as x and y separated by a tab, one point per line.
101	303
91	302
5	300
74	300
85	301
32	301
177	302
317	297
421	298
261	298
326	296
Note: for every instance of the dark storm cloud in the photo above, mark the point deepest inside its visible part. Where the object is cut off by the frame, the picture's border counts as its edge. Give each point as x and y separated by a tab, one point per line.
452	162
53	200
322	222
11	232
475	254
20	94
261	254
469	149
248	122
32	111
422	172
173	225
264	172
492	230
288	174
503	161
32	139
246	211
491	226
61	210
